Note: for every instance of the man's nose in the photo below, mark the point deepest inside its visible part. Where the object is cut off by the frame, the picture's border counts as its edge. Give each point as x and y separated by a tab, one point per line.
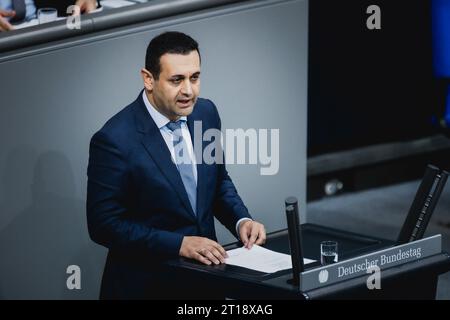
186	88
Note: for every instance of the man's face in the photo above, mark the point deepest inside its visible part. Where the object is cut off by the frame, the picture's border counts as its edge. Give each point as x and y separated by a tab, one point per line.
178	86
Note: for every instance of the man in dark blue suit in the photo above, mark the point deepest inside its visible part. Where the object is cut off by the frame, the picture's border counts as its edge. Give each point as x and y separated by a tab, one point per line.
150	197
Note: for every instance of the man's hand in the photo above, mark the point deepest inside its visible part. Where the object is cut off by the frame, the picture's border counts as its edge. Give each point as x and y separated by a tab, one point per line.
86	6
252	232
202	249
4	24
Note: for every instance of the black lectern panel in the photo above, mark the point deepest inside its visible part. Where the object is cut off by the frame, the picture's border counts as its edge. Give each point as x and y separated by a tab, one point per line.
416	280
350	245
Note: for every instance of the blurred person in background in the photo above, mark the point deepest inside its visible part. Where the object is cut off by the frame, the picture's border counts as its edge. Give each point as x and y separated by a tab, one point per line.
17	11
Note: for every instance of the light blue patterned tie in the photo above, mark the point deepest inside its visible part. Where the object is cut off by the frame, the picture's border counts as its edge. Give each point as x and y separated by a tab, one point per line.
184	162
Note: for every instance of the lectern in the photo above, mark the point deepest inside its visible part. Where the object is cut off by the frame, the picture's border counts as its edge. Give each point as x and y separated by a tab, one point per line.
412	280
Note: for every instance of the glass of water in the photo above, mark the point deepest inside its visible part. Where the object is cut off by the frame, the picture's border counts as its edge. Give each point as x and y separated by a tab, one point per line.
328	252
47	15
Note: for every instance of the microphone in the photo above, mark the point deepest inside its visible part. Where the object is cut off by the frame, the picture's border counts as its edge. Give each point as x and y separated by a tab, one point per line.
295	237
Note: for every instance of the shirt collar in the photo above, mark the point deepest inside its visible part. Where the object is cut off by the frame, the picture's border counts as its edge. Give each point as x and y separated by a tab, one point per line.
160	119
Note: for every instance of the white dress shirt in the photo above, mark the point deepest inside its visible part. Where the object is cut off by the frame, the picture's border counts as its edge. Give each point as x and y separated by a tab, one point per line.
161	121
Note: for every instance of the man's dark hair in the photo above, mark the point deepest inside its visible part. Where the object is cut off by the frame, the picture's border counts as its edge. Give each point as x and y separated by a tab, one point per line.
167	42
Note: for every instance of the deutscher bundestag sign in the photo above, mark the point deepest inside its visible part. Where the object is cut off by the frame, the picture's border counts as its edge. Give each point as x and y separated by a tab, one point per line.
356	267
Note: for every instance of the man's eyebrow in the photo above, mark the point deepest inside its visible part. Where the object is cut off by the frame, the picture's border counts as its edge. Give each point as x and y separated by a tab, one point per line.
180	76
177	76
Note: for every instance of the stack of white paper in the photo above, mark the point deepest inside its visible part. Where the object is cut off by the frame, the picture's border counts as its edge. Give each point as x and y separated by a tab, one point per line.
260	259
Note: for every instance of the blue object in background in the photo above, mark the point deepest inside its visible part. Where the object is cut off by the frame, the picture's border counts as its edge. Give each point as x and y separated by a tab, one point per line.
441	46
447	108
441	38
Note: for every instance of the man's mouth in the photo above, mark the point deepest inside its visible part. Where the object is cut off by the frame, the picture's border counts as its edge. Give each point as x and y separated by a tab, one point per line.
184	102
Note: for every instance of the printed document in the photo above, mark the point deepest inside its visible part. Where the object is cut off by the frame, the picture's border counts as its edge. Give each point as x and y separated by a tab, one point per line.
260	259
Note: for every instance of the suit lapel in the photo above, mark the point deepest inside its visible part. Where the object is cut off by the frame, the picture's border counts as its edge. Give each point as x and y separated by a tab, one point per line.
156	147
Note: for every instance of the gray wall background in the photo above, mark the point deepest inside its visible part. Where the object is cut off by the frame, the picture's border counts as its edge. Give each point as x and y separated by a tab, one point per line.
53	99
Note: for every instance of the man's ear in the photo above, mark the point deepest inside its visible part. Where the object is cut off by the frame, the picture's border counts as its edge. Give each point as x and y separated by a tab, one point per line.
148	79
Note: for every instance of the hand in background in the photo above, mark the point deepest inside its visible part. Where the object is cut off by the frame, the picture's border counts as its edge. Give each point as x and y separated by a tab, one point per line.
4	24
202	249
252	232
86	6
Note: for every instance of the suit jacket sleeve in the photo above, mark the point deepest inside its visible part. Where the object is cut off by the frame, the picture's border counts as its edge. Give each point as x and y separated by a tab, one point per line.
107	207
228	206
